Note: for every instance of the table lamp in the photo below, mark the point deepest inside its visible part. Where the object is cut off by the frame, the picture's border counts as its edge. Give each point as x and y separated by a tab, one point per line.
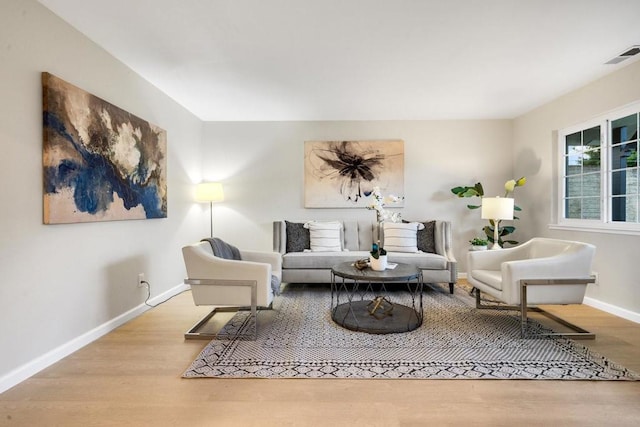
210	192
497	209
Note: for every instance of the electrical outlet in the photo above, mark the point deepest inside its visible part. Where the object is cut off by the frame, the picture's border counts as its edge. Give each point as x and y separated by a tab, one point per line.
141	280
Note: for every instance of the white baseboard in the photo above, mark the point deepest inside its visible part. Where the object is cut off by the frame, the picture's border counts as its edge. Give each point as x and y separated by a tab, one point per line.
38	364
612	309
609	308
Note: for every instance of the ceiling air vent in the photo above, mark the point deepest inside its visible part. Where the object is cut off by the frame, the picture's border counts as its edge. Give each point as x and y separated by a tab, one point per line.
632	51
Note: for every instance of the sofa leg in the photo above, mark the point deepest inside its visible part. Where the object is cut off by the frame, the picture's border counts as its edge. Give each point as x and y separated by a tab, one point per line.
451	288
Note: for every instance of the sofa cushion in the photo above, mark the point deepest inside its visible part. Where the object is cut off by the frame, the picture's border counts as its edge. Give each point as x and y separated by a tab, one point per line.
325	236
492	278
297	237
327	260
320	260
426	237
401	237
423	261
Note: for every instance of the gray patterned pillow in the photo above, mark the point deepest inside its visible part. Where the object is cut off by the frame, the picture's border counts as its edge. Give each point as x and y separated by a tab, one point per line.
297	237
426	237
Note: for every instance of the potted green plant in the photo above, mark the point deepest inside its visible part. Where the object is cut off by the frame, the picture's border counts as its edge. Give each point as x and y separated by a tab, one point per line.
479	244
478	191
378	259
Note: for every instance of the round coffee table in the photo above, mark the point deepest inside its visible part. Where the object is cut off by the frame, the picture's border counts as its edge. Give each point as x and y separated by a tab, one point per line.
361	300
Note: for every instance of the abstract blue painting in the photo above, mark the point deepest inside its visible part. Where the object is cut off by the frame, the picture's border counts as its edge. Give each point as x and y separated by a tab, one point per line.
100	162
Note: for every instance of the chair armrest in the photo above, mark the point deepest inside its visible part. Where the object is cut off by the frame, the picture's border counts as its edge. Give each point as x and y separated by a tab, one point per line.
229	269
203	265
555	267
273	258
485	260
443	240
571	265
493	259
448	253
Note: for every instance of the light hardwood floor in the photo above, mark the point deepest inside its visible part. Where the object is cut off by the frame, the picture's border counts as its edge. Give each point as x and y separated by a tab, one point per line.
131	377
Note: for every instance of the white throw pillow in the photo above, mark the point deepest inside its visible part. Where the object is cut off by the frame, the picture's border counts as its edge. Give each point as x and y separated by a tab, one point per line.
401	237
325	236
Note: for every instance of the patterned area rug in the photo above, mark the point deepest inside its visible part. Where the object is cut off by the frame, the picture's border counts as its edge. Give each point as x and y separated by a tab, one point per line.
298	339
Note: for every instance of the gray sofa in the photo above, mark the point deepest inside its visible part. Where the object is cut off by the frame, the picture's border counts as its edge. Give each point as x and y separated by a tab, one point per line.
315	267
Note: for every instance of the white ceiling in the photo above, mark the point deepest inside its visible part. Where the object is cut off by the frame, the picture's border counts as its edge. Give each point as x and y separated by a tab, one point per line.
360	59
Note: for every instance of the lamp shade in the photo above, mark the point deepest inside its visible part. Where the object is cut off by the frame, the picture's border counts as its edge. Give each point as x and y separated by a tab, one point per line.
497	208
209	192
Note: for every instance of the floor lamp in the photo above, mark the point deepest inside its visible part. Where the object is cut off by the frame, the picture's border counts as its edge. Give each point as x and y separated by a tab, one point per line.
497	209
210	192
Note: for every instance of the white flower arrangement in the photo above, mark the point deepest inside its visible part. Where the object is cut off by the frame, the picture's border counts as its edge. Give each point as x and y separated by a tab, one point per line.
379	202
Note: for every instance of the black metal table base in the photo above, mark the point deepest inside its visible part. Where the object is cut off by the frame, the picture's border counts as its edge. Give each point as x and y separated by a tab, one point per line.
360	300
357	317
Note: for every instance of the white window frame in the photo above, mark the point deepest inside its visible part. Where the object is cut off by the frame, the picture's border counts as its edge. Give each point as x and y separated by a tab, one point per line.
604	224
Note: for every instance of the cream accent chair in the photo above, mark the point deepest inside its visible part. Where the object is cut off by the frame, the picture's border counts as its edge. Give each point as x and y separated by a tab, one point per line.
540	271
230	279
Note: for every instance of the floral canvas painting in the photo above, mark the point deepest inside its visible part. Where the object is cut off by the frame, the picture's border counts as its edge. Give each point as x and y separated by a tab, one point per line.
100	162
342	174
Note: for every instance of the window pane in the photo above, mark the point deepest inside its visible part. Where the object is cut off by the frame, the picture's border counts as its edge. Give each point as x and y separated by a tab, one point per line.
591	159
574	151
624	208
591	137
620	154
573	165
573	186
624	129
573	208
583	174
619	182
632	209
572	141
591	184
632	160
632	181
591	208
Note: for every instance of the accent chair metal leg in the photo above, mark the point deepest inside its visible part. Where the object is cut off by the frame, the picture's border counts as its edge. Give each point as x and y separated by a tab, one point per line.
451	287
523	308
249	326
523	311
578	332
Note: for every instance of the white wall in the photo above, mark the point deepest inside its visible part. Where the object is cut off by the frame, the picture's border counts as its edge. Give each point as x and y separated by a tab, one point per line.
57	282
616	259
261	166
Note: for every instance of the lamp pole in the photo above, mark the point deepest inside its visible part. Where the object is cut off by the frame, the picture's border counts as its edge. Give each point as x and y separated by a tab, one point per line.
210	192
211	217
